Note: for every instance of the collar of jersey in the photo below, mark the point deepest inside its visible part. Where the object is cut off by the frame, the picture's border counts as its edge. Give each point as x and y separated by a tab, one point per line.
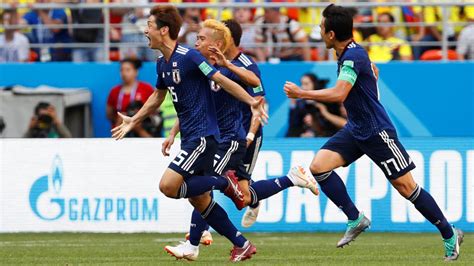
345	48
174	51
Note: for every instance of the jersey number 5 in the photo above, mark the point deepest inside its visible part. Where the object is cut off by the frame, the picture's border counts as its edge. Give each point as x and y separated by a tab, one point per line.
173	94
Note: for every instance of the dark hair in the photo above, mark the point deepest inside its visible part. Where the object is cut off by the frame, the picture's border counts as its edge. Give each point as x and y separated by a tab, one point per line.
136	63
390	16
168	15
339	20
41	106
235	30
318	84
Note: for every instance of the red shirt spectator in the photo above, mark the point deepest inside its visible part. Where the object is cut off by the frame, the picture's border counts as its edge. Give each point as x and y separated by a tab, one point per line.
131	90
119	99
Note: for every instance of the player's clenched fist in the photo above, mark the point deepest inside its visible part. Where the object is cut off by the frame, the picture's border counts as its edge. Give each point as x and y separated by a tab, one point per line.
292	90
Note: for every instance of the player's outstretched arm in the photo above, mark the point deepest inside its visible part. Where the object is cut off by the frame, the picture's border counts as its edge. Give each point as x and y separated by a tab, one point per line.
234	89
337	94
247	76
128	123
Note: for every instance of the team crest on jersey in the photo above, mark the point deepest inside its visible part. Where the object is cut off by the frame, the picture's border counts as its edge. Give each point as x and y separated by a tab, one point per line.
176	76
214	86
175	64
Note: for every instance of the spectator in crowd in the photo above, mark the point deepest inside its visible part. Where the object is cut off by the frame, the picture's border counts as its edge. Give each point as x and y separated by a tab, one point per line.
190	27
87	16
244	16
276	29
45	33
311	119
386	46
46	124
14	46
130	91
465	48
433	32
133	26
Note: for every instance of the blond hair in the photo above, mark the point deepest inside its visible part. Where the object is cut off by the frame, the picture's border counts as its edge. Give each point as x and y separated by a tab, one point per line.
220	32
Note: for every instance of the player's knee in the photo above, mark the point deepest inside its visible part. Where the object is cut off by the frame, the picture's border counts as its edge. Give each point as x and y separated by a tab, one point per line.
404	188
317	167
168	189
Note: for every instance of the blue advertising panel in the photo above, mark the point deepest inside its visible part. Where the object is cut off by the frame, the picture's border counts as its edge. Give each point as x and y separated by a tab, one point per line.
423	99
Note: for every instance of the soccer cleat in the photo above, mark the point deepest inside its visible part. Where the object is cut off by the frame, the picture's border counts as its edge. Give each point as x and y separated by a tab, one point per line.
206	238
451	246
233	190
250	216
184	250
302	178
243	253
354	228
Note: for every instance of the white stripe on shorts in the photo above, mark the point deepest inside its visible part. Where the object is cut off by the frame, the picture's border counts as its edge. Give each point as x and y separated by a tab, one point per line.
395	151
198	151
223	163
255	155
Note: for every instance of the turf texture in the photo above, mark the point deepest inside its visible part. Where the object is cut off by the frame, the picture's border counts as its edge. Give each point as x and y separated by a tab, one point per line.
272	249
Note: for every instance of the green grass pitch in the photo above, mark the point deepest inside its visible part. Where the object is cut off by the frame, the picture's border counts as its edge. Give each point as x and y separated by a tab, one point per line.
272	249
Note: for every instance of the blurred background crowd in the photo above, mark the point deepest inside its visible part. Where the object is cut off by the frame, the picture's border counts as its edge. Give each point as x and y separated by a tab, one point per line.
270	34
78	31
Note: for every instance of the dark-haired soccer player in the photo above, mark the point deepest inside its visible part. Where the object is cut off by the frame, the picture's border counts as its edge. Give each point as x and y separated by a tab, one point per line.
213	37
184	72
368	131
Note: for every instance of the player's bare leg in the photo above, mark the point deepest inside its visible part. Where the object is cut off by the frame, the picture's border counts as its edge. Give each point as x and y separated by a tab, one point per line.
426	205
331	184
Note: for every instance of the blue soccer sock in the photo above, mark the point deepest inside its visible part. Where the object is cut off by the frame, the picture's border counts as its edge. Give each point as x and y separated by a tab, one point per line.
427	206
266	188
218	219
196	185
331	184
198	225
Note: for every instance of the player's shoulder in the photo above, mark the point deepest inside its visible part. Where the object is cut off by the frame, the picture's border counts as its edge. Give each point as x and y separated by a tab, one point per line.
245	60
183	50
355	52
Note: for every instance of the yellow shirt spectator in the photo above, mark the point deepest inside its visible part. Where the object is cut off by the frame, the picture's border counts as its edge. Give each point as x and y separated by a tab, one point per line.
387	46
392	49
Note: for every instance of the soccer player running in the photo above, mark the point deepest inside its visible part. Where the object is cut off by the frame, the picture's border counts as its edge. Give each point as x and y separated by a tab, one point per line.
213	38
186	73
368	131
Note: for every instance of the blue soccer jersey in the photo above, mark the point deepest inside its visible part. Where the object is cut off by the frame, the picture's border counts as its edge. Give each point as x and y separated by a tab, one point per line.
246	62
229	109
186	76
366	115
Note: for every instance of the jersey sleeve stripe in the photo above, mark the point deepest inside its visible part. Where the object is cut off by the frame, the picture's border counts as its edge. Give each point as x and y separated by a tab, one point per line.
183	48
246	58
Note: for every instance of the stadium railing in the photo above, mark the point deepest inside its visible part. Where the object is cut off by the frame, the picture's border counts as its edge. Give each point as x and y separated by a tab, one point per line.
107	25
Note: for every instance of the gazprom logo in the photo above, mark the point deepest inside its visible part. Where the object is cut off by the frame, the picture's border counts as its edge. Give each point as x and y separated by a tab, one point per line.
42	186
47	202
